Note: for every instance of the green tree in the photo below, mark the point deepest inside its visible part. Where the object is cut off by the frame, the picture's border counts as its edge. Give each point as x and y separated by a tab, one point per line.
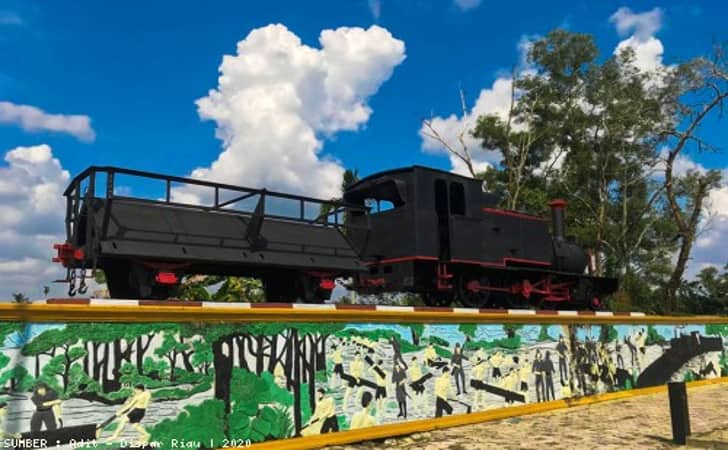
19	297
596	131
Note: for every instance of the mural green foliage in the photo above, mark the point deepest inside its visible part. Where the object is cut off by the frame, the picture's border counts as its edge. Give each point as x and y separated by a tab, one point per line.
468	329
717	329
416	329
543	334
607	333
376	335
251	417
509	343
17	378
203	423
653	337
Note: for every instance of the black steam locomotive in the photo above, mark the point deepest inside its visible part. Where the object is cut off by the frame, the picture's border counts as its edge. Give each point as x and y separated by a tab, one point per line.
414	229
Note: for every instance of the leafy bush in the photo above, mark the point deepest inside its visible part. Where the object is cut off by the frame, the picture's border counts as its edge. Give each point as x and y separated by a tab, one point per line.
251	417
203	423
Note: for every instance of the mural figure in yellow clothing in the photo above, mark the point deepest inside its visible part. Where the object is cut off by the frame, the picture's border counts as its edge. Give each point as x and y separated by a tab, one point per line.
525	375
279	375
430	355
363	418
3	414
443	388
323	419
477	373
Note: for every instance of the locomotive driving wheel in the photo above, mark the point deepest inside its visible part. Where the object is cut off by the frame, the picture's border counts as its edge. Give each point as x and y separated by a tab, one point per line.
470	290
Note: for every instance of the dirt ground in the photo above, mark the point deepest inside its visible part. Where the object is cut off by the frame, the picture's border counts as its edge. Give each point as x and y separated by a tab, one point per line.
638	423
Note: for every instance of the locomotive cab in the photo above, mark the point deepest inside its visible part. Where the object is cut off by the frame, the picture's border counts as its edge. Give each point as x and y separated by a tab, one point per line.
418	217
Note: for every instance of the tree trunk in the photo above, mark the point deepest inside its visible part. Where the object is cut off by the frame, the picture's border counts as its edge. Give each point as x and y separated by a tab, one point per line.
260	343
296	381
66	369
223	373
312	373
273	357
86	357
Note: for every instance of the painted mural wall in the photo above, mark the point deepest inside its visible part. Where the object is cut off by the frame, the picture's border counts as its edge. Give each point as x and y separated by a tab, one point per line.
174	385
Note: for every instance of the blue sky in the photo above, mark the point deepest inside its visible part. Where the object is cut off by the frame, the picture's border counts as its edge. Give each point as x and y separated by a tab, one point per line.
118	82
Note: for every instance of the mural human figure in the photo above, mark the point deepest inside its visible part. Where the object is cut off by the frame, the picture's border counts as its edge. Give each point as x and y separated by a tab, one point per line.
47	404
399	377
3	414
356	369
430	355
548	370
640	343
443	388
363	418
323	420
477	374
538	373
496	361
457	369
380	378
563	367
509	382
279	375
618	351
611	372
524	374
132	412
397	351
417	382
338	360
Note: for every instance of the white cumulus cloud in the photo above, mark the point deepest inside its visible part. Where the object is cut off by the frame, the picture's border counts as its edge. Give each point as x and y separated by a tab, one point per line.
277	100
647	48
32	209
31	118
643	25
494	100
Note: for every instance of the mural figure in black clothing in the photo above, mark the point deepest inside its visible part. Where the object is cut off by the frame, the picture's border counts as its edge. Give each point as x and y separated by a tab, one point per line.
397	351
44	399
457	369
538	372
399	377
381	392
443	387
548	369
563	368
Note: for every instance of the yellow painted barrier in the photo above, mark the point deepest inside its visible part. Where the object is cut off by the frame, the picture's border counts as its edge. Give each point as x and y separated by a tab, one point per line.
185	374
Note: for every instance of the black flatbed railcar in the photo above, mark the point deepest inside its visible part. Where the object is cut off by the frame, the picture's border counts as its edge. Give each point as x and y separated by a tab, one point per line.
441	236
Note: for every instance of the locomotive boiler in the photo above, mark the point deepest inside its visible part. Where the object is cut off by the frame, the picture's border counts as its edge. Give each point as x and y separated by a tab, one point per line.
413	229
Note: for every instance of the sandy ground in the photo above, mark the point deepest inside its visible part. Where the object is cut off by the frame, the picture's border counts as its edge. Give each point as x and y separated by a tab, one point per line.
639	423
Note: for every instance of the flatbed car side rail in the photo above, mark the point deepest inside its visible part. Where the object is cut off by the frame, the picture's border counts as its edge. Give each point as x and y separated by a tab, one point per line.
83	188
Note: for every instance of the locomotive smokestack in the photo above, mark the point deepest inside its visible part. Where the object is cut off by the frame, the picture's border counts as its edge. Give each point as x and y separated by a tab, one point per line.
557	217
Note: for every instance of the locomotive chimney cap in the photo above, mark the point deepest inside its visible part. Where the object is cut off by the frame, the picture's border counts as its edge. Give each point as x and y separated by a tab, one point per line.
557	203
